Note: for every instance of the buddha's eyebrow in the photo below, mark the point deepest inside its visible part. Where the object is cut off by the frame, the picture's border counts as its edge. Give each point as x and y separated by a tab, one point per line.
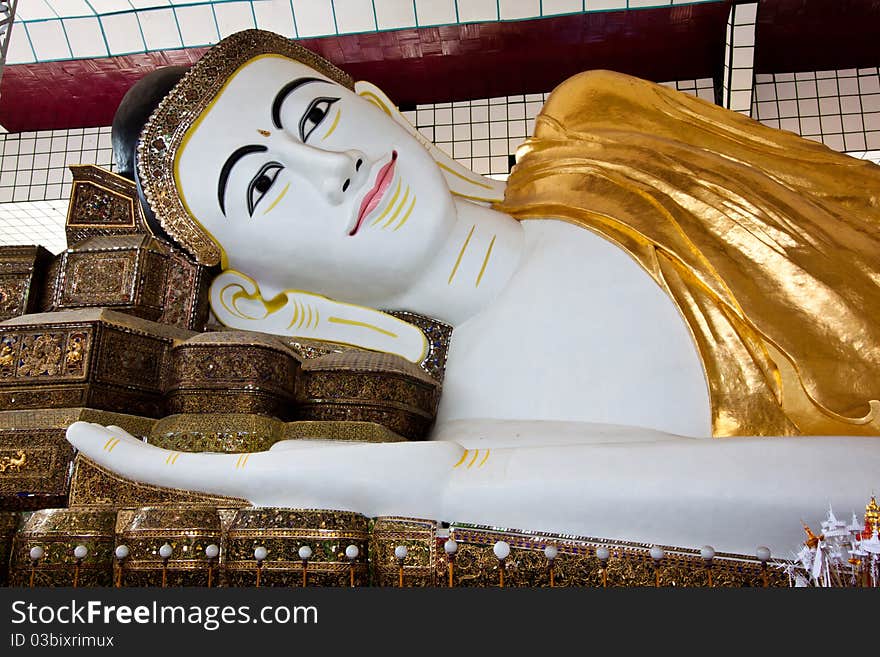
286	90
237	154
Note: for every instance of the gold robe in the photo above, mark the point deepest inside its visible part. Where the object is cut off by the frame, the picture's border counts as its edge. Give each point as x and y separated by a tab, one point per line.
769	244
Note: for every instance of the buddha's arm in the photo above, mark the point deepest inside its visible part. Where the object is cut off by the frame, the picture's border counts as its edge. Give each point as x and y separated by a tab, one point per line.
736	493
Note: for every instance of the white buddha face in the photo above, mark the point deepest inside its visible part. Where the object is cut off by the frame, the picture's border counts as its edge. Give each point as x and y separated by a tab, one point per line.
306	185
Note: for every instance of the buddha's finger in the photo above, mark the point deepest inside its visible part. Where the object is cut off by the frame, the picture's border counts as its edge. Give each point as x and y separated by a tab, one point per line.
125	455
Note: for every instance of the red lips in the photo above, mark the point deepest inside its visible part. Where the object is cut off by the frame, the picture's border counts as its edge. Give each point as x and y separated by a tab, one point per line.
374	196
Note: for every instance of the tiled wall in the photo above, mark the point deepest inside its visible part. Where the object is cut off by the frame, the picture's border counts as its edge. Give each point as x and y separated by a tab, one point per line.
484	134
839	108
33	165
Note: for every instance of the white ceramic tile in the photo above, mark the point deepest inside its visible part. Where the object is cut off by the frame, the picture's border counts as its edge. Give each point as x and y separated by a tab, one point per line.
551	7
313	18
808	106
233	17
830	124
123	34
354	16
160	30
741	79
275	17
741	100
597	5
850	104
48	40
636	4
435	12
852	123
869	84
474	11
394	14
788	107
829	105
806	89
84	35
743	58
197	25
518	9
746	13
827	88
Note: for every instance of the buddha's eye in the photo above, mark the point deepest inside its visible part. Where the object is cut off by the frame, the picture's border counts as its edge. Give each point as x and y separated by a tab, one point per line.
314	114
262	183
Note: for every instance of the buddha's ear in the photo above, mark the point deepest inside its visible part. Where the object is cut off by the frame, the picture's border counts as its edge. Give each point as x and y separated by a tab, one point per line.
461	180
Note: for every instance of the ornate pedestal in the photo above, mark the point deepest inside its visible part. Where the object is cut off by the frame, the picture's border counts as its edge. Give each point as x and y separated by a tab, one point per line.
58	532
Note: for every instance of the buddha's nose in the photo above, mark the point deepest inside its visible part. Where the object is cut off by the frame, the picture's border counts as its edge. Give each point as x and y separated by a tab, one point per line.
335	174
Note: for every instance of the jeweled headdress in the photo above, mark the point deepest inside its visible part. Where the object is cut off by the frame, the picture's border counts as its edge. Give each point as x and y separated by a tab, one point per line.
165	130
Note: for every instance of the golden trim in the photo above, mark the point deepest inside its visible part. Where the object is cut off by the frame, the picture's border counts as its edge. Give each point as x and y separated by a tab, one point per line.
485	261
460	254
461	460
473	460
69	224
485	458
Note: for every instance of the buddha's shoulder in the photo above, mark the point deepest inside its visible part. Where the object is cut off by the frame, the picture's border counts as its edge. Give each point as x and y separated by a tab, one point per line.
601	81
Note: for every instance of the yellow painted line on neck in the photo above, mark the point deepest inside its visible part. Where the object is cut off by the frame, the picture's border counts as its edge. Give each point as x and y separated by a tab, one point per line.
485	458
405	217
473	460
460	254
176	456
109	440
485	261
397	211
309	322
461	460
351	322
333	127
275	202
389	206
476	198
463	177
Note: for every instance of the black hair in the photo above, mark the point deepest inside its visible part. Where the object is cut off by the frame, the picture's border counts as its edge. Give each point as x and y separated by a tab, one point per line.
136	107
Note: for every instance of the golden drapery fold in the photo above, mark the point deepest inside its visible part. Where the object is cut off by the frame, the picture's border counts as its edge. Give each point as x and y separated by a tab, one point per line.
768	243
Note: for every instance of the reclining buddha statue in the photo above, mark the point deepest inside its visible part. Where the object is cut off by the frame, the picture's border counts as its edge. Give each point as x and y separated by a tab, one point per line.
665	322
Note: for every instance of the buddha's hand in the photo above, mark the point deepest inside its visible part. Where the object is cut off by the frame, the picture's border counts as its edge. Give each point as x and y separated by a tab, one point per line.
237	302
374	478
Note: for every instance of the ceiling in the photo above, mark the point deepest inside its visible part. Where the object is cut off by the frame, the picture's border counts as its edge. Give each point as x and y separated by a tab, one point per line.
419	51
